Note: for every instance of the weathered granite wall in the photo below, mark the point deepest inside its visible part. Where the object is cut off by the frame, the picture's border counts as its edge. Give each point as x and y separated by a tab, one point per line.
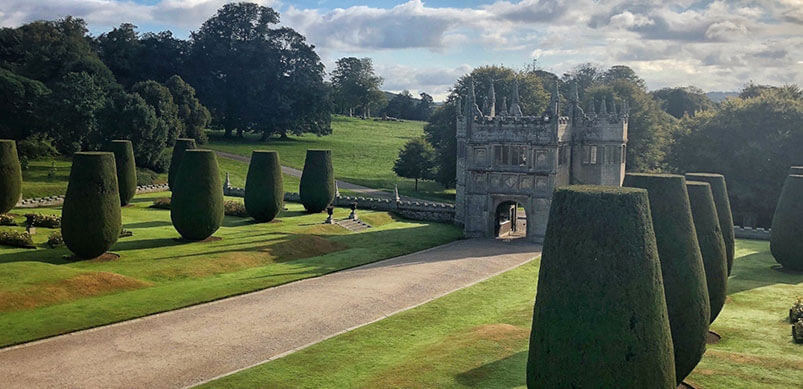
54	201
414	210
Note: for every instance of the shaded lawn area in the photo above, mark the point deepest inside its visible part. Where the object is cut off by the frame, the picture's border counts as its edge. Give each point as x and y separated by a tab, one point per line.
363	153
478	336
43	293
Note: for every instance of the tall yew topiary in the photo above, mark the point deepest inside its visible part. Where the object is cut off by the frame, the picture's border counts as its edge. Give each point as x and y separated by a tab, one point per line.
126	169
10	175
264	188
712	245
317	187
196	205
182	144
786	238
723	204
681	265
90	216
600	317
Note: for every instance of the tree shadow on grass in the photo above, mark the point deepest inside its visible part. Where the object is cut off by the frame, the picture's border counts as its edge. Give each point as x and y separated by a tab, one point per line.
508	370
158	223
759	270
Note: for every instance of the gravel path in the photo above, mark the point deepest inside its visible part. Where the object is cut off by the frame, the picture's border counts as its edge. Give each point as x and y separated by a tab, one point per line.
363	190
189	346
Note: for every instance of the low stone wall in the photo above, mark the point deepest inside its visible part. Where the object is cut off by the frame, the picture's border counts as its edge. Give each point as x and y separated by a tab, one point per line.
54	201
751	233
414	210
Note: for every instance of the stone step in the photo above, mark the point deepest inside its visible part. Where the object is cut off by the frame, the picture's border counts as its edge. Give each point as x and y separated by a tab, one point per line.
353	225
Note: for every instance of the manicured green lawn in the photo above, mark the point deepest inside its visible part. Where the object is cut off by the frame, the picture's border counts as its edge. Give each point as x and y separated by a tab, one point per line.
363	152
43	293
477	337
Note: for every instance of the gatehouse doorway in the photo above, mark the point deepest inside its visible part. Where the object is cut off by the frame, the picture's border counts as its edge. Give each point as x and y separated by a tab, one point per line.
510	220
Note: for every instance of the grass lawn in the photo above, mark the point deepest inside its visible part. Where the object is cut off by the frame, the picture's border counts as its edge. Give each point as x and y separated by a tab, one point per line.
363	152
43	293
477	337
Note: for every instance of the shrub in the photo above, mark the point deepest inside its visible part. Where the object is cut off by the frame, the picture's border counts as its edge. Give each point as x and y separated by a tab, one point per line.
796	312
10	175
797	331
90	216
39	220
720	192
681	266
147	176
161	203
126	169
600	291
786	243
197	201
264	188
7	220
16	239
317	187
234	208
55	240
182	144
712	245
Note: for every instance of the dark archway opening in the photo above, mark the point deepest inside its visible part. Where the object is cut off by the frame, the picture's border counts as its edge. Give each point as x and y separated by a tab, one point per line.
510	220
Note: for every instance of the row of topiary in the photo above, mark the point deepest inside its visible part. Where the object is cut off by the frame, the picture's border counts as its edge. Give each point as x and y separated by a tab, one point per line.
646	270
101	182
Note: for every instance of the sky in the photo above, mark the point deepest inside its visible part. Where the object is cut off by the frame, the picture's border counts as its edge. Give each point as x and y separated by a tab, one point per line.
424	46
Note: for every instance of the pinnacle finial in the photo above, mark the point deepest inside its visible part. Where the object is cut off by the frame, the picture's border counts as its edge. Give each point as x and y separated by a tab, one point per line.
574	96
603	109
491	100
503	107
515	108
613	106
593	106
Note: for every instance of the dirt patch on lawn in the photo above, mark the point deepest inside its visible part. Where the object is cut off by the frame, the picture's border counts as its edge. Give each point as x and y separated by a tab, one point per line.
745	359
73	288
306	246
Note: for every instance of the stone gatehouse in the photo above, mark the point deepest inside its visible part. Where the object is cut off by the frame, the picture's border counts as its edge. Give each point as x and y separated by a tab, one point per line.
507	161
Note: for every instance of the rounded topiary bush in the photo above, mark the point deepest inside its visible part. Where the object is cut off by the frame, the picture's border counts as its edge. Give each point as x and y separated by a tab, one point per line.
600	317
796	170
712	245
681	266
182	144
786	237
126	169
10	175
317	187
264	188
90	216
196	205
723	204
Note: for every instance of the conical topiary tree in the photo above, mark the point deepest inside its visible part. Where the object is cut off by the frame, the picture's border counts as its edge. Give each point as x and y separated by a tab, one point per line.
90	216
681	265
196	205
600	318
796	171
786	237
126	169
712	245
264	188
720	191
317	187
10	175
182	144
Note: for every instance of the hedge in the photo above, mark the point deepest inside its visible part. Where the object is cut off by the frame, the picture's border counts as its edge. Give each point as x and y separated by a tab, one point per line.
786	237
264	187
126	169
317	187
712	244
600	318
681	265
196	205
182	144
720	191
10	175
90	217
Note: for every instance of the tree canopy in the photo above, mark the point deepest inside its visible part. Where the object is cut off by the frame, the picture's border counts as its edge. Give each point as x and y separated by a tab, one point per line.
416	160
356	86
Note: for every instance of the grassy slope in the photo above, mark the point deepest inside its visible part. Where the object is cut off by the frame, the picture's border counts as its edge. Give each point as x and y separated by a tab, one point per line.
470	339
43	294
363	152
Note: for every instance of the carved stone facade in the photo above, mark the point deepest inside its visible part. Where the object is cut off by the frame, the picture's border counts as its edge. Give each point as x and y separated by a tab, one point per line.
506	157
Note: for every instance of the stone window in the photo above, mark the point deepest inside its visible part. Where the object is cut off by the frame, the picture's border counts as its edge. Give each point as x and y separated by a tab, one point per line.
510	155
589	155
